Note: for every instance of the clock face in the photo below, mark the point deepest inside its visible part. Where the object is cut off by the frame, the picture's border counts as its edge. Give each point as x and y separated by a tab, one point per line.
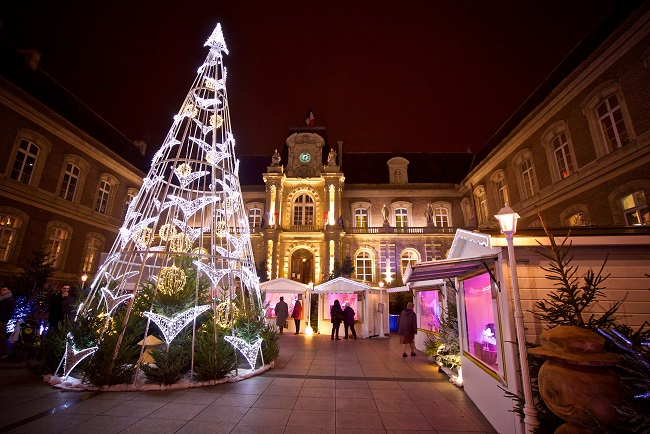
305	157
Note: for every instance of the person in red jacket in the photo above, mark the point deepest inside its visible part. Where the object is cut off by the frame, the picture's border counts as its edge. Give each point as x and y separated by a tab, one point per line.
297	315
407	327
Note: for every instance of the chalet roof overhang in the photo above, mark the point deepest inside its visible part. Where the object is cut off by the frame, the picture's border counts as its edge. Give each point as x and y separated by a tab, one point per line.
430	272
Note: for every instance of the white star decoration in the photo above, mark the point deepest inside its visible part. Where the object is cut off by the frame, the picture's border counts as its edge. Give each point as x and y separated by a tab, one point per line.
72	357
248	351
171	327
216	40
111	301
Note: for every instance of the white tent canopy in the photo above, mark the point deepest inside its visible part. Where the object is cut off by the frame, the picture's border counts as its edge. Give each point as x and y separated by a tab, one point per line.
341	285
283	285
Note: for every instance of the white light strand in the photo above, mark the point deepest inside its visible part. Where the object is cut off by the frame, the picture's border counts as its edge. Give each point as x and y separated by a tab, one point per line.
216	41
214	275
189	207
189	231
111	301
171	327
249	351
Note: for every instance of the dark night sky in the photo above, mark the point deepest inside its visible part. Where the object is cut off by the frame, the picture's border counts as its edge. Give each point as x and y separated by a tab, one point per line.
408	75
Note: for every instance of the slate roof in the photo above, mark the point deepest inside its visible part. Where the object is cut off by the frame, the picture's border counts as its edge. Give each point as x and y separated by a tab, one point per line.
47	91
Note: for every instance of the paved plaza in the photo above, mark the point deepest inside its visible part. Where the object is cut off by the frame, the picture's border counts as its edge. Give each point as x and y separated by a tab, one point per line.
317	385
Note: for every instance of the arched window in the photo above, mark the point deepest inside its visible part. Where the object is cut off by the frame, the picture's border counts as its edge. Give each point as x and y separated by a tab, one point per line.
575	215
408	256
398	170
481	205
105	193
525	170
25	162
56	244
9	225
363	266
559	151
70	181
94	244
303	210
442	214
467	211
255	217
635	209
500	187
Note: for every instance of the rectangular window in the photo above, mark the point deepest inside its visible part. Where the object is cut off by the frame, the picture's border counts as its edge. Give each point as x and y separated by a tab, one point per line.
482	207
401	217
25	162
254	217
502	191
482	339
363	266
70	180
102	197
562	155
528	178
430	310
441	216
361	218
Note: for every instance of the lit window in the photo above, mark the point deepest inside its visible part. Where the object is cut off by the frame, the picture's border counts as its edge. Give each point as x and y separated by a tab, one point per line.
363	266
56	242
409	256
103	195
635	209
255	217
397	177
70	181
612	124
481	205
8	231
562	155
25	162
528	178
361	217
303	210
577	219
401	217
92	253
441	216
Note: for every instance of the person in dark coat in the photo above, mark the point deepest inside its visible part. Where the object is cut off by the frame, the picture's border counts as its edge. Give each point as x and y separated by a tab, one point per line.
407	327
281	313
7	307
69	303
55	312
297	315
336	315
348	312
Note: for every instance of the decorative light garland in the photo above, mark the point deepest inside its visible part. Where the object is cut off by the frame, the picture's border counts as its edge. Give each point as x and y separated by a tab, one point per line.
249	351
171	327
111	301
73	357
167	231
171	280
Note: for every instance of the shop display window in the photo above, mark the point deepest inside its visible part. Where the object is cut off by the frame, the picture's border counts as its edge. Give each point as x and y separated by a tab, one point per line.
273	298
482	336
353	299
430	310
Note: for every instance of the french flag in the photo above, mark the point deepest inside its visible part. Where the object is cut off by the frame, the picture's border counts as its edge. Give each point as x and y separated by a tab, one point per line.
310	118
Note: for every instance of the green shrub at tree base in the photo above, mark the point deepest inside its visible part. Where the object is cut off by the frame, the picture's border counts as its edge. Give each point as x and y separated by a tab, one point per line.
213	360
270	345
169	364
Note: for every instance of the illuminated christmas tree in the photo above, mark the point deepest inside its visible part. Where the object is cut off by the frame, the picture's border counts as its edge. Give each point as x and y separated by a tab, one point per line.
182	263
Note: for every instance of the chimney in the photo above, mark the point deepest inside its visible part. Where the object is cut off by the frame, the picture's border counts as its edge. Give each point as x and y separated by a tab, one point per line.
31	58
340	162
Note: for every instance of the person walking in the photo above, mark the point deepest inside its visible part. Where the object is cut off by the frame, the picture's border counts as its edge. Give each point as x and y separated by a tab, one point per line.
7	307
297	316
348	313
336	315
407	327
281	314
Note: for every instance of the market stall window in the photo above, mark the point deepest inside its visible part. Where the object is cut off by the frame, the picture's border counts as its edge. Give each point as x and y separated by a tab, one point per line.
430	310
272	298
482	336
353	299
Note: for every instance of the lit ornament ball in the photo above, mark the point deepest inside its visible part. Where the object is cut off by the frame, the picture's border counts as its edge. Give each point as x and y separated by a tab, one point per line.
167	231
171	280
225	313
184	170
216	121
180	243
143	236
190	110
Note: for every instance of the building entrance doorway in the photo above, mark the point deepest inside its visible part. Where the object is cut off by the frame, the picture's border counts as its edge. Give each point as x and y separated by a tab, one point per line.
302	263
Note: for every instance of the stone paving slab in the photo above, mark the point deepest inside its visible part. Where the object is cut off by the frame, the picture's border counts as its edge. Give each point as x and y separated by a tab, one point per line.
317	386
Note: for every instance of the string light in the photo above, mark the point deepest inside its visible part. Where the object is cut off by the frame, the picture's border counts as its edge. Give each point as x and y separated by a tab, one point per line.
225	313
167	231
180	243
111	301
249	351
73	357
171	327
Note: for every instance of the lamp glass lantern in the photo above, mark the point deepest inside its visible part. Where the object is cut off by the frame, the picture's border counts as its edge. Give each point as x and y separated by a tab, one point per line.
507	220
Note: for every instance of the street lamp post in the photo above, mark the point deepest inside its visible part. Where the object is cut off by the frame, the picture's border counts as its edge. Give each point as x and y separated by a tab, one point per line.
381	314
508	222
84	277
308	330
